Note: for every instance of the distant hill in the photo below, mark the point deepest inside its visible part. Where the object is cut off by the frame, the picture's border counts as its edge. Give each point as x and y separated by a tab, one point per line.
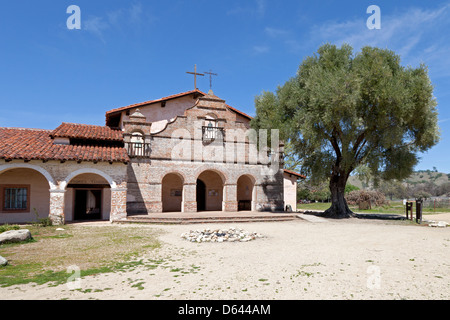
418	177
425	176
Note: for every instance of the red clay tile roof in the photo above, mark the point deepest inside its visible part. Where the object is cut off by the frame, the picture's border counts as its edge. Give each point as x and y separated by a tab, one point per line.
118	110
240	112
295	173
84	131
35	144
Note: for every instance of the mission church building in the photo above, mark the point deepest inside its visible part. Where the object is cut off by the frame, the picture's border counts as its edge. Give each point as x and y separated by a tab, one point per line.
187	153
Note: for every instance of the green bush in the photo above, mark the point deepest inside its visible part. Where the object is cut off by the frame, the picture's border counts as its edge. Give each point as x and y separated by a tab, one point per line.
349	188
44	222
41	222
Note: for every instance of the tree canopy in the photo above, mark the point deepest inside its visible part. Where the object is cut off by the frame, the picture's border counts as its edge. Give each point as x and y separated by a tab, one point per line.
343	110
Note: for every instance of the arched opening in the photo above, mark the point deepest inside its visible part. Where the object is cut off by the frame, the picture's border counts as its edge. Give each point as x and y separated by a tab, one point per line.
24	195
209	191
88	197
172	193
245	193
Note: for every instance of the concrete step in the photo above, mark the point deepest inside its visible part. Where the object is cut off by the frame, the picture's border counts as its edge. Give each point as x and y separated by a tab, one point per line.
192	220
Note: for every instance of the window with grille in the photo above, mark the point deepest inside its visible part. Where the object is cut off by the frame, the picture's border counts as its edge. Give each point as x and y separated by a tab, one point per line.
16	198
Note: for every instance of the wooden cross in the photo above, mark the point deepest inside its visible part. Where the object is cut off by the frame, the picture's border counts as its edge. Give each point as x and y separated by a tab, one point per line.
195	76
211	74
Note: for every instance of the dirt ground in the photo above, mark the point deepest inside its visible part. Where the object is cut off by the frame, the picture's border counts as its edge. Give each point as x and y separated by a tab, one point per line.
296	260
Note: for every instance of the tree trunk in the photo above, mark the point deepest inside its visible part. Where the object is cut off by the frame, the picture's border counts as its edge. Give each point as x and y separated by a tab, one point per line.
339	208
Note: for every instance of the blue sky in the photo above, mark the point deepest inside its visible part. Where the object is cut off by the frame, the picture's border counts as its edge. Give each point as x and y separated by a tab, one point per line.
132	51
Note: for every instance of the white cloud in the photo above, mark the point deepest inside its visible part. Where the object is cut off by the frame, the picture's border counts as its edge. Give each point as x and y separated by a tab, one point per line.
257	8
417	35
136	12
260	49
290	41
97	25
276	32
261	7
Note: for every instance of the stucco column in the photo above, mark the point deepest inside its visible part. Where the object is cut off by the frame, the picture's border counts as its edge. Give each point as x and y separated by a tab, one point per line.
189	203
56	213
118	204
230	203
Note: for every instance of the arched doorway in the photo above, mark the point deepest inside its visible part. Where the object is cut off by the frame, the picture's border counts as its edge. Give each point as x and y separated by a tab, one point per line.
209	191
24	194
245	192
88	197
172	193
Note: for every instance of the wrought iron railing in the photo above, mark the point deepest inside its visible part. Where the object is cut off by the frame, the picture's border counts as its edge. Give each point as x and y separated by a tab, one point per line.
138	149
211	134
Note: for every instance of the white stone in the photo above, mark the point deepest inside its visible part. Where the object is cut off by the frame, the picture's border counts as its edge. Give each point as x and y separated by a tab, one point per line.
439	224
15	236
220	235
3	261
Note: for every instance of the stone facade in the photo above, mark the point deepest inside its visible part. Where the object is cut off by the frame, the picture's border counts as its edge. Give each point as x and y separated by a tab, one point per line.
180	148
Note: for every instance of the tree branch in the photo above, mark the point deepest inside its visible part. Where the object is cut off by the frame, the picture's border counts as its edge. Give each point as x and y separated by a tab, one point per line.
335	145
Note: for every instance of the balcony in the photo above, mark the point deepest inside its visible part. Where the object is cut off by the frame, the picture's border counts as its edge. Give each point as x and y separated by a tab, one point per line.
211	134
138	149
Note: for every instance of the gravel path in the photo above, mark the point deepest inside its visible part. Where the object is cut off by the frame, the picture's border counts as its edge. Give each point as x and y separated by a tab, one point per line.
350	259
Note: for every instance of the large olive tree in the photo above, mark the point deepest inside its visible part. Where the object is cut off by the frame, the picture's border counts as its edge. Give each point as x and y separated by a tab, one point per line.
343	110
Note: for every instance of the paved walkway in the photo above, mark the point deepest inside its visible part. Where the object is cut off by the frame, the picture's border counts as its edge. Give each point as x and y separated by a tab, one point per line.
312	218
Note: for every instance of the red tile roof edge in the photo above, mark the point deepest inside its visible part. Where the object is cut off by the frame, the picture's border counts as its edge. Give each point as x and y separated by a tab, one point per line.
154	101
295	173
108	113
240	112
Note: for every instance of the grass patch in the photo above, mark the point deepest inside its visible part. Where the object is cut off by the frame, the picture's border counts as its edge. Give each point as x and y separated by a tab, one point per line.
58	236
302	273
93	249
138	285
395	207
314	206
